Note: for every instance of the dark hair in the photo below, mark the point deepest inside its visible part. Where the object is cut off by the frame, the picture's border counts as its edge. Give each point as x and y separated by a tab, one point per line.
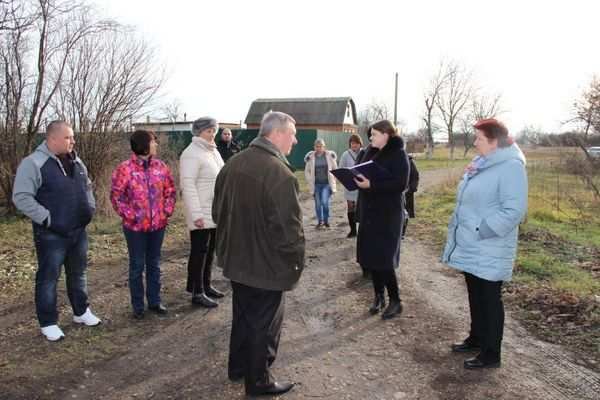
140	142
354	138
385	126
494	129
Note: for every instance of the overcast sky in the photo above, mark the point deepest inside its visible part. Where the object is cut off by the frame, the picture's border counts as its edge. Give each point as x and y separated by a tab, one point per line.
223	54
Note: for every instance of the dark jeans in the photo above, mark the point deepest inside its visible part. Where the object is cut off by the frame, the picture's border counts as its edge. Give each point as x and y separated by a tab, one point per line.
201	257
322	195
144	253
487	315
385	279
255	332
54	250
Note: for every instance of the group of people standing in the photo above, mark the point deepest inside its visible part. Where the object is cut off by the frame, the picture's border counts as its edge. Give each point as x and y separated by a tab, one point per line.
482	234
248	211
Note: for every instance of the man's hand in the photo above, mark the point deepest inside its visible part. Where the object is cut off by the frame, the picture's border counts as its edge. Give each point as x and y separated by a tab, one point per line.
199	223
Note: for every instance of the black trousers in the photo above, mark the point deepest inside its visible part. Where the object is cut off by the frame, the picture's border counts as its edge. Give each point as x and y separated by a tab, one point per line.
255	332
385	279
487	315
201	258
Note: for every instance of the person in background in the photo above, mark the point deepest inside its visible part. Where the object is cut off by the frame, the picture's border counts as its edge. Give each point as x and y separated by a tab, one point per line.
348	160
413	185
321	182
381	216
143	194
52	188
257	192
483	234
227	146
199	164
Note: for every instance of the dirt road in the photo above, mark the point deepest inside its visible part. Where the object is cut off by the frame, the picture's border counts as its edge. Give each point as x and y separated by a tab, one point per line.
330	345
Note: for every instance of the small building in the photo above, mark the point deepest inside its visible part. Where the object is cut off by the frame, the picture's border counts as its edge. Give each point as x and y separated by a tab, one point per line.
177	126
178	134
333	114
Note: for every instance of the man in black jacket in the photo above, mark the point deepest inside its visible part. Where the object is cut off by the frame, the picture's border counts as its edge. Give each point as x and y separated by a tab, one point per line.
52	188
257	193
227	146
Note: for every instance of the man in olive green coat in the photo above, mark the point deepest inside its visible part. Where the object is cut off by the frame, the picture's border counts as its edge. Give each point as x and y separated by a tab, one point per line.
260	246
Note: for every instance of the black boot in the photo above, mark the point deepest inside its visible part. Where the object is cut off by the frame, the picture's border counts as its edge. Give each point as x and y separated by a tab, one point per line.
208	291
366	273
393	309
200	299
214	293
352	223
378	304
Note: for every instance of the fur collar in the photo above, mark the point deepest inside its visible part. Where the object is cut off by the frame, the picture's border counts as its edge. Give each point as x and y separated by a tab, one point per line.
394	144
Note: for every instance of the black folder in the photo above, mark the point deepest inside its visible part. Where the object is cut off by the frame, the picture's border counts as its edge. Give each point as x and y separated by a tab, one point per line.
370	169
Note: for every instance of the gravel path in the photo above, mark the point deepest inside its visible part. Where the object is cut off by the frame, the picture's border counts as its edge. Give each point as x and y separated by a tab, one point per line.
330	345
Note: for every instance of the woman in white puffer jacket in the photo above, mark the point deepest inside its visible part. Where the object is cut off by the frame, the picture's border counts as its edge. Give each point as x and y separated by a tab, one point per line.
199	166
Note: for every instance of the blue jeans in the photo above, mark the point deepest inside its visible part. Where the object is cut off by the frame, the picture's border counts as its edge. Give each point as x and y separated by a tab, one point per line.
144	253
53	251
322	195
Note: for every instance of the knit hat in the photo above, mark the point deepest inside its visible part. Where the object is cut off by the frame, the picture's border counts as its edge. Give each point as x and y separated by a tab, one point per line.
204	123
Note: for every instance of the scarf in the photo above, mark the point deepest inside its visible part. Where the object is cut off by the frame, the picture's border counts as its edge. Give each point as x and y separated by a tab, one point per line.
473	168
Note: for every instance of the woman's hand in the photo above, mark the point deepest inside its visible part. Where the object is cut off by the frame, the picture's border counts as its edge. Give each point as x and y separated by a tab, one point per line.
362	182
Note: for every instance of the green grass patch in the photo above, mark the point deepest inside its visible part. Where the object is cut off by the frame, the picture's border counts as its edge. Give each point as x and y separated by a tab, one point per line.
536	265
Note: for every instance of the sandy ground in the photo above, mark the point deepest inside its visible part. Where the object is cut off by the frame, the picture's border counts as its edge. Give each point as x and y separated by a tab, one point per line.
330	345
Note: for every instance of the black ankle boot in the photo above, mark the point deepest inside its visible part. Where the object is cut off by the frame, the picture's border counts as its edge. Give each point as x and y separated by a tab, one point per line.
352	223
212	292
200	299
378	304
393	309
366	274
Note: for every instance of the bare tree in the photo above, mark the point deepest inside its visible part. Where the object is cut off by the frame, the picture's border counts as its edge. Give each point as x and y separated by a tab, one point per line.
112	76
373	112
33	55
481	106
430	98
453	97
172	111
586	109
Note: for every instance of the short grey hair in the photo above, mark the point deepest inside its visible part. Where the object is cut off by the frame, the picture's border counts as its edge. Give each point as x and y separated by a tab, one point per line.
320	141
56	125
274	120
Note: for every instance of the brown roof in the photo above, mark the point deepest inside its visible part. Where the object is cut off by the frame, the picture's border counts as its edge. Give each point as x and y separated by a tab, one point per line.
306	111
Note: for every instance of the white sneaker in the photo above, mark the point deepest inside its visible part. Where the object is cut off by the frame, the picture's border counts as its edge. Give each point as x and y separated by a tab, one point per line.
53	333
87	318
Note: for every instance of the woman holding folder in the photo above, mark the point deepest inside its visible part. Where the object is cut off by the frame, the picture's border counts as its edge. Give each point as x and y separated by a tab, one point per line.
381	215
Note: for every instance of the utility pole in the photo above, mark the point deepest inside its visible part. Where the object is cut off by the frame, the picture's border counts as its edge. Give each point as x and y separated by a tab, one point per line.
396	102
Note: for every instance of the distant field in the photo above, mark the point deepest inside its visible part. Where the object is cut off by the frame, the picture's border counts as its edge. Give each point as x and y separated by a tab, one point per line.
441	159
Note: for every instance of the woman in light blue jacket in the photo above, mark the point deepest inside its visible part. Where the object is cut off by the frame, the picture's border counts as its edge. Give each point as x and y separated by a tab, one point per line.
483	233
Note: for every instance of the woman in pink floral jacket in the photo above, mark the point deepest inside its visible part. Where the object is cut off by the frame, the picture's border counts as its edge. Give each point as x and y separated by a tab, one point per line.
143	194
